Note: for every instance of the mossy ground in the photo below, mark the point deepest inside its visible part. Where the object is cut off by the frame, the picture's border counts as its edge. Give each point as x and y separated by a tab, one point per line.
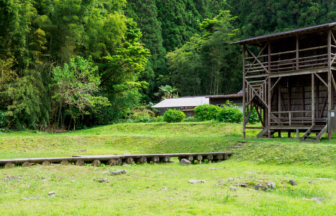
139	192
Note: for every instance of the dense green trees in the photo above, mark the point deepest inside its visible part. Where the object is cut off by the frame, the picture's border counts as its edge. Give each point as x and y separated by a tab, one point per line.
39	36
208	64
136	47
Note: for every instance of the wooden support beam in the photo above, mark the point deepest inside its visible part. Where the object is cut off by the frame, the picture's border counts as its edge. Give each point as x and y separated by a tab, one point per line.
255	58
313	98
297	52
329	82
303	97
333	81
259	115
249	114
275	84
279	101
318	76
269	91
257	94
244	91
324	104
297	134
317	97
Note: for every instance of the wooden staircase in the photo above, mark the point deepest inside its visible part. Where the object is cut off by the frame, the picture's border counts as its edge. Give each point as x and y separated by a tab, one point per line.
320	130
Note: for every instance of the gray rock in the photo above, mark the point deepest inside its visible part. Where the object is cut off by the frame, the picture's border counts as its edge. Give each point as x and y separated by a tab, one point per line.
292	182
126	165
259	187
185	162
195	181
118	172
164	188
127	154
220	181
11	178
231	179
102	180
214	168
316	199
30	198
52	194
241	185
271	185
233	188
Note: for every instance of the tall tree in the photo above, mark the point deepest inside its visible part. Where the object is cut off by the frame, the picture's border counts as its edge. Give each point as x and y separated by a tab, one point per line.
144	12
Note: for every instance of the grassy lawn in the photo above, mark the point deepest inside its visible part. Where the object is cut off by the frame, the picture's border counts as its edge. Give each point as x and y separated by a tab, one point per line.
163	188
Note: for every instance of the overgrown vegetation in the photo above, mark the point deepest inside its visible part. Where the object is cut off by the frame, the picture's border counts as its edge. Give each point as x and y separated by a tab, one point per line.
230	113
206	112
173	115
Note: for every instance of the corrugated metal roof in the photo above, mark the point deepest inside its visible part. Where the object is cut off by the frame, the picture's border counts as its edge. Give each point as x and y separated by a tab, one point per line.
226	96
286	33
182	102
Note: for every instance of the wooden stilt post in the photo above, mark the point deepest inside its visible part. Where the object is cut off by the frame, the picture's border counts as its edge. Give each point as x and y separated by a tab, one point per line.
269	91
313	98
244	91
297	134
329	83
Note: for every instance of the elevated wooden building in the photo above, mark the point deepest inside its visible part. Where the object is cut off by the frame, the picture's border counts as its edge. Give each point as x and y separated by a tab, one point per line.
289	79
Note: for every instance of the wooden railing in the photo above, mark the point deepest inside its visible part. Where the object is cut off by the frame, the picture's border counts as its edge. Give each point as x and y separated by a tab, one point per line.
286	118
281	65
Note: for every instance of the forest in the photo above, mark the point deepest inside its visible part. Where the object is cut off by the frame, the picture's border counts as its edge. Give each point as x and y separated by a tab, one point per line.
80	63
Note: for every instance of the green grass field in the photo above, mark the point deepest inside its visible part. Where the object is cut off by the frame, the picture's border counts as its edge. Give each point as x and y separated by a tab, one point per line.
153	189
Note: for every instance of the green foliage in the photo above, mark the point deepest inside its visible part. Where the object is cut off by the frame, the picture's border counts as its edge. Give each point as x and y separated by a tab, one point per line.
75	85
191	119
28	101
141	114
254	118
167	92
159	119
145	13
207	112
3	122
42	35
230	114
173	115
207	64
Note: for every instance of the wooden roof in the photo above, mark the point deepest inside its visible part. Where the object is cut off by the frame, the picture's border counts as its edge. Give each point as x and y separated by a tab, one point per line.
285	34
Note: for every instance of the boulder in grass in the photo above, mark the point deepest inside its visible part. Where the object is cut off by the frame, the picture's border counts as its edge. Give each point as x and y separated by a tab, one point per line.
271	185
241	185
118	172
102	180
195	181
185	162
292	182
259	187
233	188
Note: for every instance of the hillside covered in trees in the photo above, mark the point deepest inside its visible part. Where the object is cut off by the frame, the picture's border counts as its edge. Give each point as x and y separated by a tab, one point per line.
83	63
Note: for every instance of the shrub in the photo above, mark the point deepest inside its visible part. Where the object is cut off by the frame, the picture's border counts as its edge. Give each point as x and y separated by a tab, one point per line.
191	119
159	119
230	113
141	115
207	112
174	115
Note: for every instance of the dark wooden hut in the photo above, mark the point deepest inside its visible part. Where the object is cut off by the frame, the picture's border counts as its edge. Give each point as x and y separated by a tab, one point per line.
289	79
